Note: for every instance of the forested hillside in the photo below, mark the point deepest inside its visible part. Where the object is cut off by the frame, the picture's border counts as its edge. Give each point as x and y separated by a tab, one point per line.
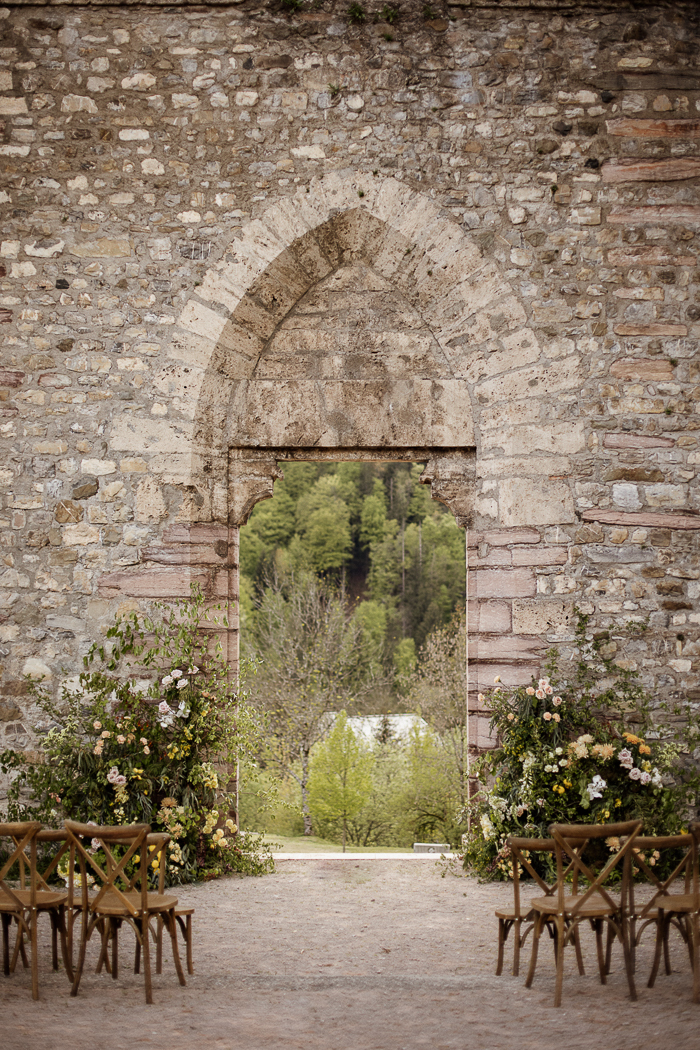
371	530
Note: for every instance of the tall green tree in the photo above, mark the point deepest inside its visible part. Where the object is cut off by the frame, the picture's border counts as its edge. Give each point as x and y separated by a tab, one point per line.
341	776
438	693
313	658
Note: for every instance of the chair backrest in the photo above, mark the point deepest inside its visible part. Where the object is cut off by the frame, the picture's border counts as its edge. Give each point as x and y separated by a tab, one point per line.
113	873
22	836
567	836
520	849
684	868
156	854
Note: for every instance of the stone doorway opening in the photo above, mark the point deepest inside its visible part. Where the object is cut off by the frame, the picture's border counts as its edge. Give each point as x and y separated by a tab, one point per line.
276	546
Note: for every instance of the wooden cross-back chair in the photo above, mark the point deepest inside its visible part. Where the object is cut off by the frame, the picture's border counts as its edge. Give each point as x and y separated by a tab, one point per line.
645	913
50	900
514	918
121	897
32	897
682	909
593	903
156	844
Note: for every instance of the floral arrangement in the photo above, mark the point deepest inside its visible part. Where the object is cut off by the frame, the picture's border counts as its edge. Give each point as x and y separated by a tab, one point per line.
148	735
567	754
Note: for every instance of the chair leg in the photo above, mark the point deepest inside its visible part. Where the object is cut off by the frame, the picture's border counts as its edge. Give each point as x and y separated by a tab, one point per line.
172	926
115	924
103	960
188	943
667	952
608	947
629	961
33	933
695	928
67	960
660	924
537	930
146	958
85	931
5	943
54	940
516	946
19	949
137	956
561	933
598	926
159	944
503	926
575	937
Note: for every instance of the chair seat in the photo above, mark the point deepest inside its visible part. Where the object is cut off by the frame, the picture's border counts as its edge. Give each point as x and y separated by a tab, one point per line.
594	907
111	905
677	902
45	900
184	911
508	914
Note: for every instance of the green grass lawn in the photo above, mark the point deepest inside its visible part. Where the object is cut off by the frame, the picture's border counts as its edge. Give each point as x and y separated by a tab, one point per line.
311	844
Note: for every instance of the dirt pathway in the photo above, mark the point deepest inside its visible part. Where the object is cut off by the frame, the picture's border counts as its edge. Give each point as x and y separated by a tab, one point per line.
358	954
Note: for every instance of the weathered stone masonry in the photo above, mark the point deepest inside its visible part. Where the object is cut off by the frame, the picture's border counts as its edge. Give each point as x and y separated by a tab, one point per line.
234	236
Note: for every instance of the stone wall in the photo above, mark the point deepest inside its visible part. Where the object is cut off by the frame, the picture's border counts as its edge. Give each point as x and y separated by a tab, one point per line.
234	235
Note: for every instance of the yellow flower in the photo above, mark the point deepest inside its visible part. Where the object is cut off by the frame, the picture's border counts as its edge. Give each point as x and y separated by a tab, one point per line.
644	749
618	801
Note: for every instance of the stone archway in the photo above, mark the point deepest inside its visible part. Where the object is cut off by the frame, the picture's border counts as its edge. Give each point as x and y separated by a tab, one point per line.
429	352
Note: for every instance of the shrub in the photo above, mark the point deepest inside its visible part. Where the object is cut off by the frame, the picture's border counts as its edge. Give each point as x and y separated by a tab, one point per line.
147	735
576	749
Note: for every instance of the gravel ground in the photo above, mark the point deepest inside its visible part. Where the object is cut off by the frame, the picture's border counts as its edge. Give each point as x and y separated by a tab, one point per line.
357	953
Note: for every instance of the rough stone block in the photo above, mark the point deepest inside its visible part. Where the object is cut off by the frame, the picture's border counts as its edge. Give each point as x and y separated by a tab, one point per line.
540	556
630	170
503	537
650	518
540	616
644	369
502	583
489	617
532	501
653	128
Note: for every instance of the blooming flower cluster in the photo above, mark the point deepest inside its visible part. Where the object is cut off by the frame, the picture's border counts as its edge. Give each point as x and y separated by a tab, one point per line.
560	758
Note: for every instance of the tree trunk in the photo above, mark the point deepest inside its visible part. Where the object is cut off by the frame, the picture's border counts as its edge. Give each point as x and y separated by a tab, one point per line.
343	834
306	813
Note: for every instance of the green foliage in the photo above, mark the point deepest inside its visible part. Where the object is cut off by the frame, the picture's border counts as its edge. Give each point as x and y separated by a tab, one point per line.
339	779
147	734
370	528
581	747
356	13
389	14
313	657
405	664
